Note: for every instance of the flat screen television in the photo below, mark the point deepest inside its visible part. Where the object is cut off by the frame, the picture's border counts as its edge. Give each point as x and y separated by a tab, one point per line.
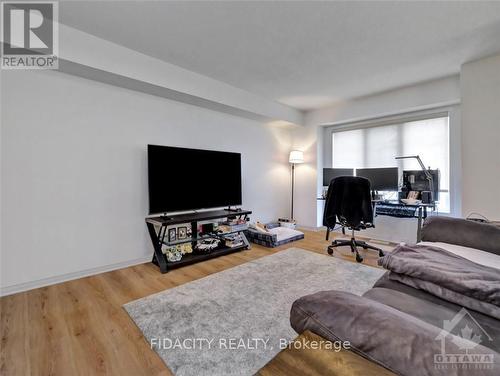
183	179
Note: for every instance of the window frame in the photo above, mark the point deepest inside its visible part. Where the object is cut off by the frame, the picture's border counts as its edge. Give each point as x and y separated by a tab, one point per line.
454	134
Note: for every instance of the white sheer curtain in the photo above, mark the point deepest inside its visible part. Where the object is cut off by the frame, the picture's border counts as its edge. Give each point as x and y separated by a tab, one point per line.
348	149
377	147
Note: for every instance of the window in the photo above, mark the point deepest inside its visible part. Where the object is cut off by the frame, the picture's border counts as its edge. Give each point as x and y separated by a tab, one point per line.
377	146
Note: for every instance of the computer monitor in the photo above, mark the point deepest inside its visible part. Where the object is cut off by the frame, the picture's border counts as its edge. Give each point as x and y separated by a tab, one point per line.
381	179
331	173
415	180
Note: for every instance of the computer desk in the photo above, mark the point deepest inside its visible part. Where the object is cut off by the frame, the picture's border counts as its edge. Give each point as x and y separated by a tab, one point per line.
421	209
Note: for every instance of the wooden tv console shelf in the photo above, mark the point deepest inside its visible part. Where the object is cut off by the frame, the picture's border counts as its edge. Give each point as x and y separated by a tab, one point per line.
157	228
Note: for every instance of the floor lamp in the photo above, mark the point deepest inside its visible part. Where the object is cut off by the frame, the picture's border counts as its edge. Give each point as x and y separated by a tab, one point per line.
296	157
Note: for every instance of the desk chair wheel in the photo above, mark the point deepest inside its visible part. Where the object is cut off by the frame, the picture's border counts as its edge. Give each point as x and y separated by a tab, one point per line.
330	250
358	257
381	253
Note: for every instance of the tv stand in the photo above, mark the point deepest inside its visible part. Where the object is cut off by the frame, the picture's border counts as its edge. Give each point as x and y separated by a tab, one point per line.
157	228
165	217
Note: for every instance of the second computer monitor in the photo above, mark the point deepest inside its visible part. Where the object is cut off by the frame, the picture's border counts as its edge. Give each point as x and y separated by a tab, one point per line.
381	179
331	173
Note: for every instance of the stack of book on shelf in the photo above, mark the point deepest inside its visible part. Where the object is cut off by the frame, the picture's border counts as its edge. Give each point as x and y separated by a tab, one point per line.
233	240
232	226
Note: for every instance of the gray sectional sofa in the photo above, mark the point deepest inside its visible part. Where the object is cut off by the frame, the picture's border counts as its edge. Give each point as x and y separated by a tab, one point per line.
410	331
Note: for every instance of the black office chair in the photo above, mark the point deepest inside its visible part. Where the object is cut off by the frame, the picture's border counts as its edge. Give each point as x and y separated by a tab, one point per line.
348	203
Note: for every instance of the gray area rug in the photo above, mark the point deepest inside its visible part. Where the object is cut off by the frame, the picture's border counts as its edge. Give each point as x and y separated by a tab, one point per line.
235	321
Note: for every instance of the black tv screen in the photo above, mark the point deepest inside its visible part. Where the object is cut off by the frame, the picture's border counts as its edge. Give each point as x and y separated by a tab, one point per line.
188	179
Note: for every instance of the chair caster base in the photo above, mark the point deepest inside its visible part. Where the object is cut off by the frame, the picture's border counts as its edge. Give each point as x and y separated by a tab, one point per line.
353	244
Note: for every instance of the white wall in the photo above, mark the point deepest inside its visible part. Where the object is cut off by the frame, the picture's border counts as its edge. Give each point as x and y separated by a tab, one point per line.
86	55
74	178
306	139
480	84
420	97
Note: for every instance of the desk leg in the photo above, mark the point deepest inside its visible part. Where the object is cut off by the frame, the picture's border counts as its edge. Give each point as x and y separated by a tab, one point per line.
419	225
157	255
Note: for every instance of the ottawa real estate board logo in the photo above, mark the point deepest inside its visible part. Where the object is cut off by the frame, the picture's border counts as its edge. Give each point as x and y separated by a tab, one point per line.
460	344
29	35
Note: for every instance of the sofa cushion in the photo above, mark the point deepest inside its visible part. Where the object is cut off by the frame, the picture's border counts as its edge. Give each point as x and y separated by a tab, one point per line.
394	339
475	255
483	236
435	312
428	307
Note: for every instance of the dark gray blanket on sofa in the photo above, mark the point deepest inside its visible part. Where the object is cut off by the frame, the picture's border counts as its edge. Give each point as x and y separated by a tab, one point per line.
396	340
447	276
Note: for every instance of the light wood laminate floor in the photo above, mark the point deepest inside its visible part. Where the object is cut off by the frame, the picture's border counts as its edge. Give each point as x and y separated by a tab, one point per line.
80	328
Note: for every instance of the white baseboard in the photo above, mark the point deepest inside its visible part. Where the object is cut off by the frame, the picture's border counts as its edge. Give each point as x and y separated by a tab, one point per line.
14	289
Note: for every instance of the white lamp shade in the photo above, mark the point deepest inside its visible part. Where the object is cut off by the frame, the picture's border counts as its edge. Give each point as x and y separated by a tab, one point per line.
296	156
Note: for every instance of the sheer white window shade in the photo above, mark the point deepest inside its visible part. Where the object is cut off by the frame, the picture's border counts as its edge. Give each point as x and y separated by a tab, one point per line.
381	146
348	148
377	146
429	139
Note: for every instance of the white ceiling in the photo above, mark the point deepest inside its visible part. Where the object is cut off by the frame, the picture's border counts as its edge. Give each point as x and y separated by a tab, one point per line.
303	54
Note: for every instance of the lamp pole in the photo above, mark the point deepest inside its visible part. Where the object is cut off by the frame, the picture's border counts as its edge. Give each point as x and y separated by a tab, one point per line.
296	156
293	186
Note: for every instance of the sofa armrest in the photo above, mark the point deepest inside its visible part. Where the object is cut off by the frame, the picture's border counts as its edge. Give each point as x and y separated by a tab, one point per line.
391	338
462	232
